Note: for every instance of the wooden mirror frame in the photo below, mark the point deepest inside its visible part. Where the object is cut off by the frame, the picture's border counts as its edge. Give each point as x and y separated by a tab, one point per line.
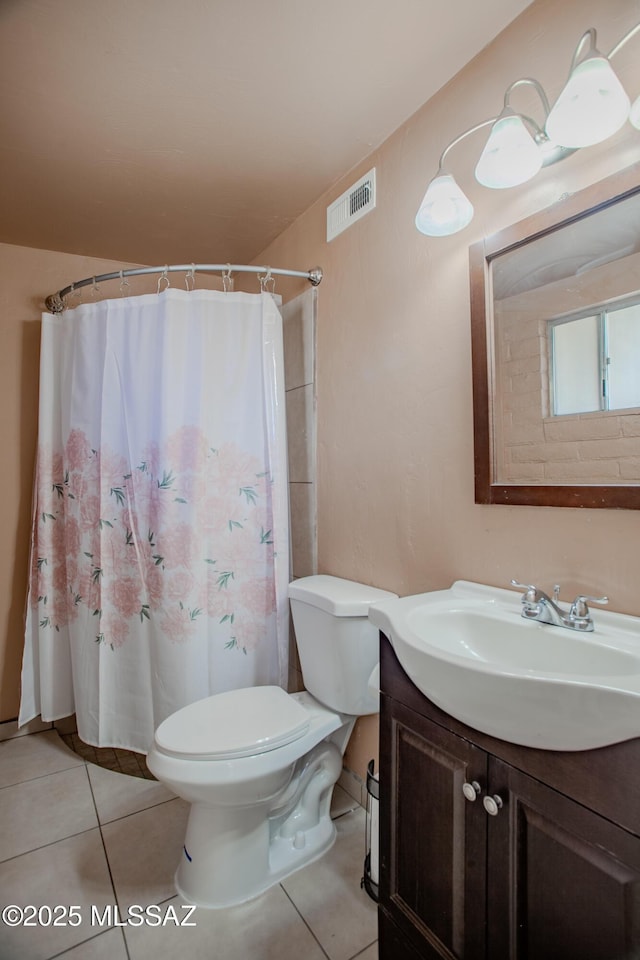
575	207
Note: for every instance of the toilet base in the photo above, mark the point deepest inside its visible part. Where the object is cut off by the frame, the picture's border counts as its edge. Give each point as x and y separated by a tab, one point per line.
233	854
285	861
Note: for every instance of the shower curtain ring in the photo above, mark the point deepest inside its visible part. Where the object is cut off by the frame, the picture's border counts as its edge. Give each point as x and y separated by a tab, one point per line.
227	281
266	279
165	278
190	278
94	288
124	283
269	279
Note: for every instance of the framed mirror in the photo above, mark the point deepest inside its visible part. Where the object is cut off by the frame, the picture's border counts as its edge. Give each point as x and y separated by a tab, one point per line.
555	327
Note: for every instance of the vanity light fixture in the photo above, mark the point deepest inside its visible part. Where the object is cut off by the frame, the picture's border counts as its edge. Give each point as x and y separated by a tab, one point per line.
592	106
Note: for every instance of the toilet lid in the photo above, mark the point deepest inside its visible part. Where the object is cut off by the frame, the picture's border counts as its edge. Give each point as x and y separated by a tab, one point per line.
239	723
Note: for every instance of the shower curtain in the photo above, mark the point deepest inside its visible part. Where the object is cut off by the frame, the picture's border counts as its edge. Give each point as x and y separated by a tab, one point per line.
160	545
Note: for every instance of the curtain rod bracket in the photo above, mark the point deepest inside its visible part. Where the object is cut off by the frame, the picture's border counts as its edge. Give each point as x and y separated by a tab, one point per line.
54	303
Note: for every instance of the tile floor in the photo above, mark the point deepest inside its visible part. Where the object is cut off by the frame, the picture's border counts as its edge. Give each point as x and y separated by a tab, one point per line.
72	833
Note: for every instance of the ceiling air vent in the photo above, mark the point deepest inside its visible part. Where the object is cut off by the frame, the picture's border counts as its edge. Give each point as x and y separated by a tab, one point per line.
353	204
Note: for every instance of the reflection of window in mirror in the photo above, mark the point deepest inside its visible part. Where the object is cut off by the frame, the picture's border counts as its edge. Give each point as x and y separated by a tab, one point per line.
595	361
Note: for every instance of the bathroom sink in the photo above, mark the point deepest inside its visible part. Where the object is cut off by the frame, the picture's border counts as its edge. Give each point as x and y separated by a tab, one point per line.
469	650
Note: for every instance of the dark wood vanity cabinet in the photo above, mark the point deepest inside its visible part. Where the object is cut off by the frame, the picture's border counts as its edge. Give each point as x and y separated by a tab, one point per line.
553	874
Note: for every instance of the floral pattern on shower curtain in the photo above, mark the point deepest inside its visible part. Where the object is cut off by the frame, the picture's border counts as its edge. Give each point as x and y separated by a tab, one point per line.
160	538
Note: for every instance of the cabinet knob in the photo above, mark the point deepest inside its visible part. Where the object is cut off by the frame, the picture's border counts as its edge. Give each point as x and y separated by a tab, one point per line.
471	790
493	805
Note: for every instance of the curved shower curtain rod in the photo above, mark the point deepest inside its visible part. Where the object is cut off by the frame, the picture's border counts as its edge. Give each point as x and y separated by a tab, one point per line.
55	302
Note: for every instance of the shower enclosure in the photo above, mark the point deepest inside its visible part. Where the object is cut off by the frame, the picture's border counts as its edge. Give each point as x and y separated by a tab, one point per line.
160	544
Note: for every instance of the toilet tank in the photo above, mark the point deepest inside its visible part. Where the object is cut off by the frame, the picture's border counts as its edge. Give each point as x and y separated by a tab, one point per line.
337	644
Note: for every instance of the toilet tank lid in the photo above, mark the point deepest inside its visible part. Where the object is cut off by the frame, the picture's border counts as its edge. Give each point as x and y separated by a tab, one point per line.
340	598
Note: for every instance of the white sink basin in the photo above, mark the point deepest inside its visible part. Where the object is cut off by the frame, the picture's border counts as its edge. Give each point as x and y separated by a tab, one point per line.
472	654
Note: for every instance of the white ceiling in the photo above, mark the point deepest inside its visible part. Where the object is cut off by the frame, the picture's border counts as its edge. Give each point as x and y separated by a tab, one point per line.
161	131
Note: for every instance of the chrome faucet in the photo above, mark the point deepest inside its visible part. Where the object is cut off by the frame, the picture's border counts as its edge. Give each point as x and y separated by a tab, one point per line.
537	605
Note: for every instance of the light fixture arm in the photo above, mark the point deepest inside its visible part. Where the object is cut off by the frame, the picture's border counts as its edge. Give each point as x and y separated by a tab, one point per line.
537	131
462	136
531	82
523	81
592	106
592	35
620	44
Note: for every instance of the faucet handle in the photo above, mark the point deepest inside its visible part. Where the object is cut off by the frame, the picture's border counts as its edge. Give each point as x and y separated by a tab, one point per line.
531	592
579	606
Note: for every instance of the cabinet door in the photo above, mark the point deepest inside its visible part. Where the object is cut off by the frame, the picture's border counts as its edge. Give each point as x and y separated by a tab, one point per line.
564	883
433	840
391	943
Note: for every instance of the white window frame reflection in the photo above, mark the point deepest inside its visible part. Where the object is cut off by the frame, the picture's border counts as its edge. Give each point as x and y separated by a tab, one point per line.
594	360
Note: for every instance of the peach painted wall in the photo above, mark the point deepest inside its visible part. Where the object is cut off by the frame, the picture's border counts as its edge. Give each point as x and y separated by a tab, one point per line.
395	434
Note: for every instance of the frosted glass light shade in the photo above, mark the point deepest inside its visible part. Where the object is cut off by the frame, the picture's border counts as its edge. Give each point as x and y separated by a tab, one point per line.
444	209
510	156
592	106
634	114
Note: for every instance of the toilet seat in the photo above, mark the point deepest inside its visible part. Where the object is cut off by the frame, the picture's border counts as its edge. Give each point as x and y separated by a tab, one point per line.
238	723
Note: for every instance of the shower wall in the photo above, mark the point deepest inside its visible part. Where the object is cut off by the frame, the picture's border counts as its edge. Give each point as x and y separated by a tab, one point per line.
299	317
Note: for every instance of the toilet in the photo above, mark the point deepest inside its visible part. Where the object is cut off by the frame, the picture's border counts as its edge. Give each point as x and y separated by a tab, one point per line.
258	765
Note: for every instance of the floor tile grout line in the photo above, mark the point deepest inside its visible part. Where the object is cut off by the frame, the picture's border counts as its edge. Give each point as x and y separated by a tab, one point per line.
107	861
52	843
292	902
59	839
345	813
82	943
116	899
93	796
134	813
364	950
97	825
41	776
25	733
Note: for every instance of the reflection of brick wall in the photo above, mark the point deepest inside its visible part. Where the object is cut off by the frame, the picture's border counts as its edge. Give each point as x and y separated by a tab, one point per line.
536	447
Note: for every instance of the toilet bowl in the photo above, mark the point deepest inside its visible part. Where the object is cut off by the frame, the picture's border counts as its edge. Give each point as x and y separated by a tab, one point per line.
258	765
